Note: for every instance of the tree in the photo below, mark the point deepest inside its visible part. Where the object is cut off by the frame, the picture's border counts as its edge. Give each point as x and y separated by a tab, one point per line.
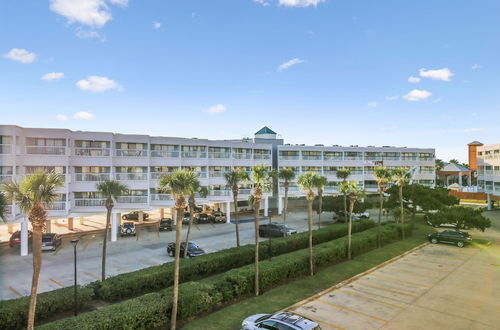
351	190
233	179
307	182
336	204
402	176
179	183
287	174
343	174
454	161
439	165
195	188
3	206
463	217
110	190
32	194
321	182
383	176
261	182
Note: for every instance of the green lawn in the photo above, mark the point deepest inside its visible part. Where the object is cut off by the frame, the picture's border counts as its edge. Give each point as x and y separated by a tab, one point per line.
283	296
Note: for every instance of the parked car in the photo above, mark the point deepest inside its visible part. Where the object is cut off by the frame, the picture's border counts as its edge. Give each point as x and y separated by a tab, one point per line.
218	216
134	216
275	230
203	218
362	215
15	238
165	224
51	241
185	220
343	218
127	229
278	321
455	237
193	250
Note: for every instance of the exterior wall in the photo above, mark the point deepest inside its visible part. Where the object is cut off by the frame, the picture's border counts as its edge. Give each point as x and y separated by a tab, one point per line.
473	156
488	169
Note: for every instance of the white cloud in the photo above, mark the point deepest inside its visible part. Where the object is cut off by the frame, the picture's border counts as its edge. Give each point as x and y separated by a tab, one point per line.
473	129
20	55
475	66
61	117
392	98
218	108
440	74
94	13
300	3
372	104
156	25
417	95
87	34
84	115
122	3
414	80
288	64
262	2
52	76
97	84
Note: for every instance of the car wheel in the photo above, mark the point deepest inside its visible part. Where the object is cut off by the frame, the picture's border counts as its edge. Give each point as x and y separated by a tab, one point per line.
460	244
434	240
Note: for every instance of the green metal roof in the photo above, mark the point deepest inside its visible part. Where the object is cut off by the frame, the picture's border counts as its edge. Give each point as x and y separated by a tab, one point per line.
265	130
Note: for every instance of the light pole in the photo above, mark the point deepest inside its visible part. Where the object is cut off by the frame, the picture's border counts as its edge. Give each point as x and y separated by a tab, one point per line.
74	242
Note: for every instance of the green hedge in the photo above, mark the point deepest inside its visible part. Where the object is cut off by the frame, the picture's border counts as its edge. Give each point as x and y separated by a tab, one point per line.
14	312
153	309
158	277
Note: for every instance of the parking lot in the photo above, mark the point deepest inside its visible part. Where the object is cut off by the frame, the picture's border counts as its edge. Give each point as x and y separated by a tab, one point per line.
433	287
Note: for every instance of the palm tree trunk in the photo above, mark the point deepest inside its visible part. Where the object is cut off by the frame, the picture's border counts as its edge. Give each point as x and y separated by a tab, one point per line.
320	210
349	231
381	206
37	266
178	238
105	240
256	214
402	212
285	210
191	209
236	218
345	202
309	227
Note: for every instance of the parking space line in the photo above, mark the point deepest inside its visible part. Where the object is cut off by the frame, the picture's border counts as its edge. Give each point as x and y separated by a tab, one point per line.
412	273
319	321
351	310
122	268
92	275
422	267
402	281
387	289
370	298
358	289
58	283
15	291
148	262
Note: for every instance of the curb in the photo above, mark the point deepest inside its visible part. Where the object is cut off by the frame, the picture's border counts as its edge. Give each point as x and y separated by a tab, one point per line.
355	277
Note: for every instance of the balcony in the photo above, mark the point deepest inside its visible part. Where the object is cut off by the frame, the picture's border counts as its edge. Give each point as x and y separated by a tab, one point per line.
220	192
426	158
353	157
217	174
426	171
5	148
90	202
6	178
409	157
332	157
131	176
194	154
45	150
219	155
330	173
282	157
245	191
373	158
132	199
392	158
261	156
92	177
331	190
312	157
242	156
371	186
162	198
131	152
164	153
158	175
92	152
56	206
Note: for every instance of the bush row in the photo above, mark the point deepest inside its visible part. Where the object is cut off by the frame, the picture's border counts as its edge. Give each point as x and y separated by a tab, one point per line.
153	309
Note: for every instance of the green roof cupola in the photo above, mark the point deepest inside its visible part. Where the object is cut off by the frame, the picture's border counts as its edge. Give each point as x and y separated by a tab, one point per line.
265	133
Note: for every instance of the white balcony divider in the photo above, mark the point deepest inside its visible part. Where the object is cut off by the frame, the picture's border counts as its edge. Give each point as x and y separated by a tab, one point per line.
165	153
132	199
45	150
90	202
131	176
92	177
131	152
92	152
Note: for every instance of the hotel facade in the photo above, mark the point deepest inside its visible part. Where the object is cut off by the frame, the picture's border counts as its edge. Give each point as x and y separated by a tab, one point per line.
488	169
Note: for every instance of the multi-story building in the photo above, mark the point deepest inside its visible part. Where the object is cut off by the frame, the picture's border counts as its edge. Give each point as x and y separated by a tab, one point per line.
488	169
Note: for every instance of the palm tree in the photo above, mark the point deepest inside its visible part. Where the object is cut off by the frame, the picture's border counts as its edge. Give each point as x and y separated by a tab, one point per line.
401	176
261	182
32	195
350	189
287	174
307	182
233	179
343	174
179	183
383	176
3	207
196	188
320	185
110	190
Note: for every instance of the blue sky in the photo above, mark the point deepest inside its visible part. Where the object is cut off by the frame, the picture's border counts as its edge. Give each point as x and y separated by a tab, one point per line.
331	72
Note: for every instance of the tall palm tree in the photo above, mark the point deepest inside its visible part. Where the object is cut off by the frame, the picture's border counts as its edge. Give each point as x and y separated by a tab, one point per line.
287	174
3	206
343	174
320	186
233	179
350	189
383	176
32	195
261	183
179	183
110	190
307	182
401	176
196	188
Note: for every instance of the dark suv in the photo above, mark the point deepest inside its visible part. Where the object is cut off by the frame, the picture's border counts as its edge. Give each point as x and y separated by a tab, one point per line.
193	250
134	216
50	242
202	218
275	230
455	237
165	224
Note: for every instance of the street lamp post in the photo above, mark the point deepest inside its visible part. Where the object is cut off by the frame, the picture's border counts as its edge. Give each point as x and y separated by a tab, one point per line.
74	242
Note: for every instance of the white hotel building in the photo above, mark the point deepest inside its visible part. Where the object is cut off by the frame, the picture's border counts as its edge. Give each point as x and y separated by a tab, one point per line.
488	169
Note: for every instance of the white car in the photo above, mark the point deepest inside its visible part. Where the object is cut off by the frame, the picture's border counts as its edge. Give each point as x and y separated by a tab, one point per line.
362	215
280	320
127	229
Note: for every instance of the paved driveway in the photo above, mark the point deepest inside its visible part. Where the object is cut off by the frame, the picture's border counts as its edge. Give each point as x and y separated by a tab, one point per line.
434	287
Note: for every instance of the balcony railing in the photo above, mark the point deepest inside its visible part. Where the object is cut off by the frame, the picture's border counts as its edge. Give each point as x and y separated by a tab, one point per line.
164	153
426	171
194	154
219	155
131	176
216	174
90	202
426	158
237	155
332	157
331	190
92	152
312	157
261	156
132	199
92	177
6	178
131	152
244	191
45	150
56	206
353	157
161	197
409	157
330	173
283	157
373	158
158	175
220	192
5	148
392	158
371	186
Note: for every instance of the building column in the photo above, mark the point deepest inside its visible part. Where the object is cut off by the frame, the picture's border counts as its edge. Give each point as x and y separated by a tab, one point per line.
70	224
24	237
488	201
469	179
266	206
460	178
280	204
141	216
228	212
115	220
10	228
204	207
162	213
174	217
48	226
82	219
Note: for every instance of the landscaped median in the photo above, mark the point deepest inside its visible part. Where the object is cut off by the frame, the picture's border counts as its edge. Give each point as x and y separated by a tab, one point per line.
153	309
14	312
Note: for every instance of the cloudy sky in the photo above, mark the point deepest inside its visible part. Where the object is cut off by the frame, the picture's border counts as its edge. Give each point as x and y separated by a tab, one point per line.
407	73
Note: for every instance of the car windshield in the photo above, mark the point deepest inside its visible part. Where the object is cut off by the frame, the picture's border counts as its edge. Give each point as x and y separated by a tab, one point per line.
191	246
165	220
47	238
262	318
187	214
128	224
203	216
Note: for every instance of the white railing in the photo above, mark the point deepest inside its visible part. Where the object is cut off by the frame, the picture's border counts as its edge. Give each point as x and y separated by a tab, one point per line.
353	157
164	153
312	157
426	171
244	191
90	202
237	155
8	209
331	190
194	154
216	174
261	156
161	197
426	158
92	177
131	152
282	157
392	158
5	148
492	156
6	178
158	175
409	157
373	158
56	206
132	199
131	176
92	152
220	192
219	155
371	186
330	173
45	150
332	157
